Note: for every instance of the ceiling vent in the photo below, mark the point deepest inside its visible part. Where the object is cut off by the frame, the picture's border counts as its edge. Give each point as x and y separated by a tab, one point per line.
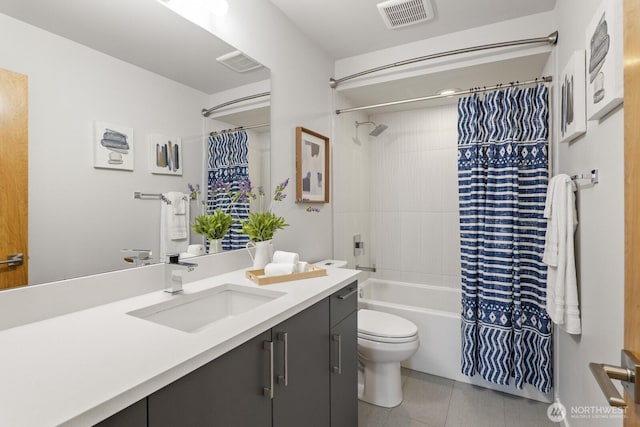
239	62
401	13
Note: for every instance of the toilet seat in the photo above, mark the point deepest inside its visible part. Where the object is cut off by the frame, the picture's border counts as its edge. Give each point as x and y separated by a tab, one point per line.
384	327
387	339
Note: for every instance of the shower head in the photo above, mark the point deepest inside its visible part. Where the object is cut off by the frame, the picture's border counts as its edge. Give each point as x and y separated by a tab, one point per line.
377	130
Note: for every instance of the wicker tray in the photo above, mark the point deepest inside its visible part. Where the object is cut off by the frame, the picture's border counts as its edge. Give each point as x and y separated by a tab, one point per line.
259	277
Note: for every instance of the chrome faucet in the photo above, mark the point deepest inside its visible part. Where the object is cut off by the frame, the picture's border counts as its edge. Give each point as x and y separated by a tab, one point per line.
174	271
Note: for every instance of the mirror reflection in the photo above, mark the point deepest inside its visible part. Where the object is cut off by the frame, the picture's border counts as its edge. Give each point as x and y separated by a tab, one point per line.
113	94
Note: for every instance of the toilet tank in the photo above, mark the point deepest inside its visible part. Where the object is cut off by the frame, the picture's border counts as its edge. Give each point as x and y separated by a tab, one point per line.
331	263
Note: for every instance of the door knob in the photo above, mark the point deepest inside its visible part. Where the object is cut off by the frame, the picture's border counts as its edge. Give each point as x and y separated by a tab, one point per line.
13	260
627	373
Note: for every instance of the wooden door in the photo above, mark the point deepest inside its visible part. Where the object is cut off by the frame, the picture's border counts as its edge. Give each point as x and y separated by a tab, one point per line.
13	176
632	189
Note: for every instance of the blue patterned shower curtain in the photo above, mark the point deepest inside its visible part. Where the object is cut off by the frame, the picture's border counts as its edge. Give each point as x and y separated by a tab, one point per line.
502	178
228	166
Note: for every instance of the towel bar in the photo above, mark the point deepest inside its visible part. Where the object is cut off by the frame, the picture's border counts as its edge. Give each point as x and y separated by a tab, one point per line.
140	195
593	176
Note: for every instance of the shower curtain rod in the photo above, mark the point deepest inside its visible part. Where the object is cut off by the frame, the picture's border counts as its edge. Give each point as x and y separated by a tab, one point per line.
239	128
207	112
550	39
544	79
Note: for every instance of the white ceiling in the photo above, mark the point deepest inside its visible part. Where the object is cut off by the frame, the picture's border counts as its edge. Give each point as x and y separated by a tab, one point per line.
347	28
141	32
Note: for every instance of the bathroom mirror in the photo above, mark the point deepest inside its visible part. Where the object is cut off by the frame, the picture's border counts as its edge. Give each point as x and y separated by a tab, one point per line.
133	65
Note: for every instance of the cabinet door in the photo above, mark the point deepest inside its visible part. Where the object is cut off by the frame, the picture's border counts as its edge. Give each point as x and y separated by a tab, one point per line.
227	392
344	375
303	364
132	416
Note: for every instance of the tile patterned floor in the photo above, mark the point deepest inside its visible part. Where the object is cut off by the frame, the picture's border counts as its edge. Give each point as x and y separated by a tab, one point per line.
431	401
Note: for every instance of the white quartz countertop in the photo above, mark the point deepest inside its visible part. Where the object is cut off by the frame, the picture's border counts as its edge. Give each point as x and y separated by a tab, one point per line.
79	368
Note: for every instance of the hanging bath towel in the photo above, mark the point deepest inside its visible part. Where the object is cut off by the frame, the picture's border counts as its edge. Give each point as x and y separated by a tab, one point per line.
559	255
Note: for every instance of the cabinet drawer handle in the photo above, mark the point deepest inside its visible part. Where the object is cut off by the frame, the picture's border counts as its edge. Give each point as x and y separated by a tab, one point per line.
338	369
268	391
284	379
347	295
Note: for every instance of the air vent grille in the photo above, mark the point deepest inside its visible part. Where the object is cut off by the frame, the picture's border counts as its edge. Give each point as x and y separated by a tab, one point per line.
400	13
238	61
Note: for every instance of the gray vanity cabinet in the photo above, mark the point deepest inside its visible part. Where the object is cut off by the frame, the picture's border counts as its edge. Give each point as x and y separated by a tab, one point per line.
132	416
228	391
302	372
344	357
302	378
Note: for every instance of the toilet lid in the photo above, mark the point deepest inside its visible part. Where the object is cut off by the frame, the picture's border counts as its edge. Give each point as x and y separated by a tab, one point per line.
378	324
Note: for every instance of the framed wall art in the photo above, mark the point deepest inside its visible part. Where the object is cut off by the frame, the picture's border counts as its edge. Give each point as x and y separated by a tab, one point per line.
605	73
165	155
312	166
112	146
573	119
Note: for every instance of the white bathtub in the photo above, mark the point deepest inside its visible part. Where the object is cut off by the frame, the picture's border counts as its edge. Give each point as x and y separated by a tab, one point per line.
436	312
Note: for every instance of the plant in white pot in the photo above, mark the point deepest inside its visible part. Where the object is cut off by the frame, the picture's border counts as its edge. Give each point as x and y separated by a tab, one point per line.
214	227
261	227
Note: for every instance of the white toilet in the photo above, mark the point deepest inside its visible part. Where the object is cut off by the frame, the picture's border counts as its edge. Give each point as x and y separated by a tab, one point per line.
384	340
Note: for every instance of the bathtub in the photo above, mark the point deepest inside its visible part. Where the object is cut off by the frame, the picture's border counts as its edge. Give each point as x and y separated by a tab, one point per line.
436	312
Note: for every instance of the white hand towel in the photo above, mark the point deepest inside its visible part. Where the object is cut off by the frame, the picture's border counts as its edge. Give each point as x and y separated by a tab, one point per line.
177	220
285	257
168	242
279	269
179	204
302	267
559	255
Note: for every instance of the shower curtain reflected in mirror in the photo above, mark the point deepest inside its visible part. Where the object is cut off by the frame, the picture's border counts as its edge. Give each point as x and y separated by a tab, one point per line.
228	176
502	178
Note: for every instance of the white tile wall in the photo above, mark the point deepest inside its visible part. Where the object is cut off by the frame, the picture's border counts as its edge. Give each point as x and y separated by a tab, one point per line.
351	201
400	192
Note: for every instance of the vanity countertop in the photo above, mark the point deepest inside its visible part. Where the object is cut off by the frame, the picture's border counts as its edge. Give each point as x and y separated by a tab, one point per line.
79	368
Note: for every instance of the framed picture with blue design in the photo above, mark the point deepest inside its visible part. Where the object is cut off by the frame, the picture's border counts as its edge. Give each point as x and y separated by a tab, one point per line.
312	166
112	146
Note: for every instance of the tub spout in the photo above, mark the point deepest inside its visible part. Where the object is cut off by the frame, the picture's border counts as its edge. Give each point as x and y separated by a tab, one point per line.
370	269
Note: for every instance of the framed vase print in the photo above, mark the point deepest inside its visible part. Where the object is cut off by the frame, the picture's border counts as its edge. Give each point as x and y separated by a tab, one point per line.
312	166
605	72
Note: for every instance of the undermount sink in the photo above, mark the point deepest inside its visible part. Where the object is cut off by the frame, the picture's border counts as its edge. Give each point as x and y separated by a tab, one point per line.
196	311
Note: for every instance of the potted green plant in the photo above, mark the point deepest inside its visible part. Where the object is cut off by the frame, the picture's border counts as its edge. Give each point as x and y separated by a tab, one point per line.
262	225
214	226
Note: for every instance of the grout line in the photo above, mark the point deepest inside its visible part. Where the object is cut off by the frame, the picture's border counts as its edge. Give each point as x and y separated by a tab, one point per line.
446	417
